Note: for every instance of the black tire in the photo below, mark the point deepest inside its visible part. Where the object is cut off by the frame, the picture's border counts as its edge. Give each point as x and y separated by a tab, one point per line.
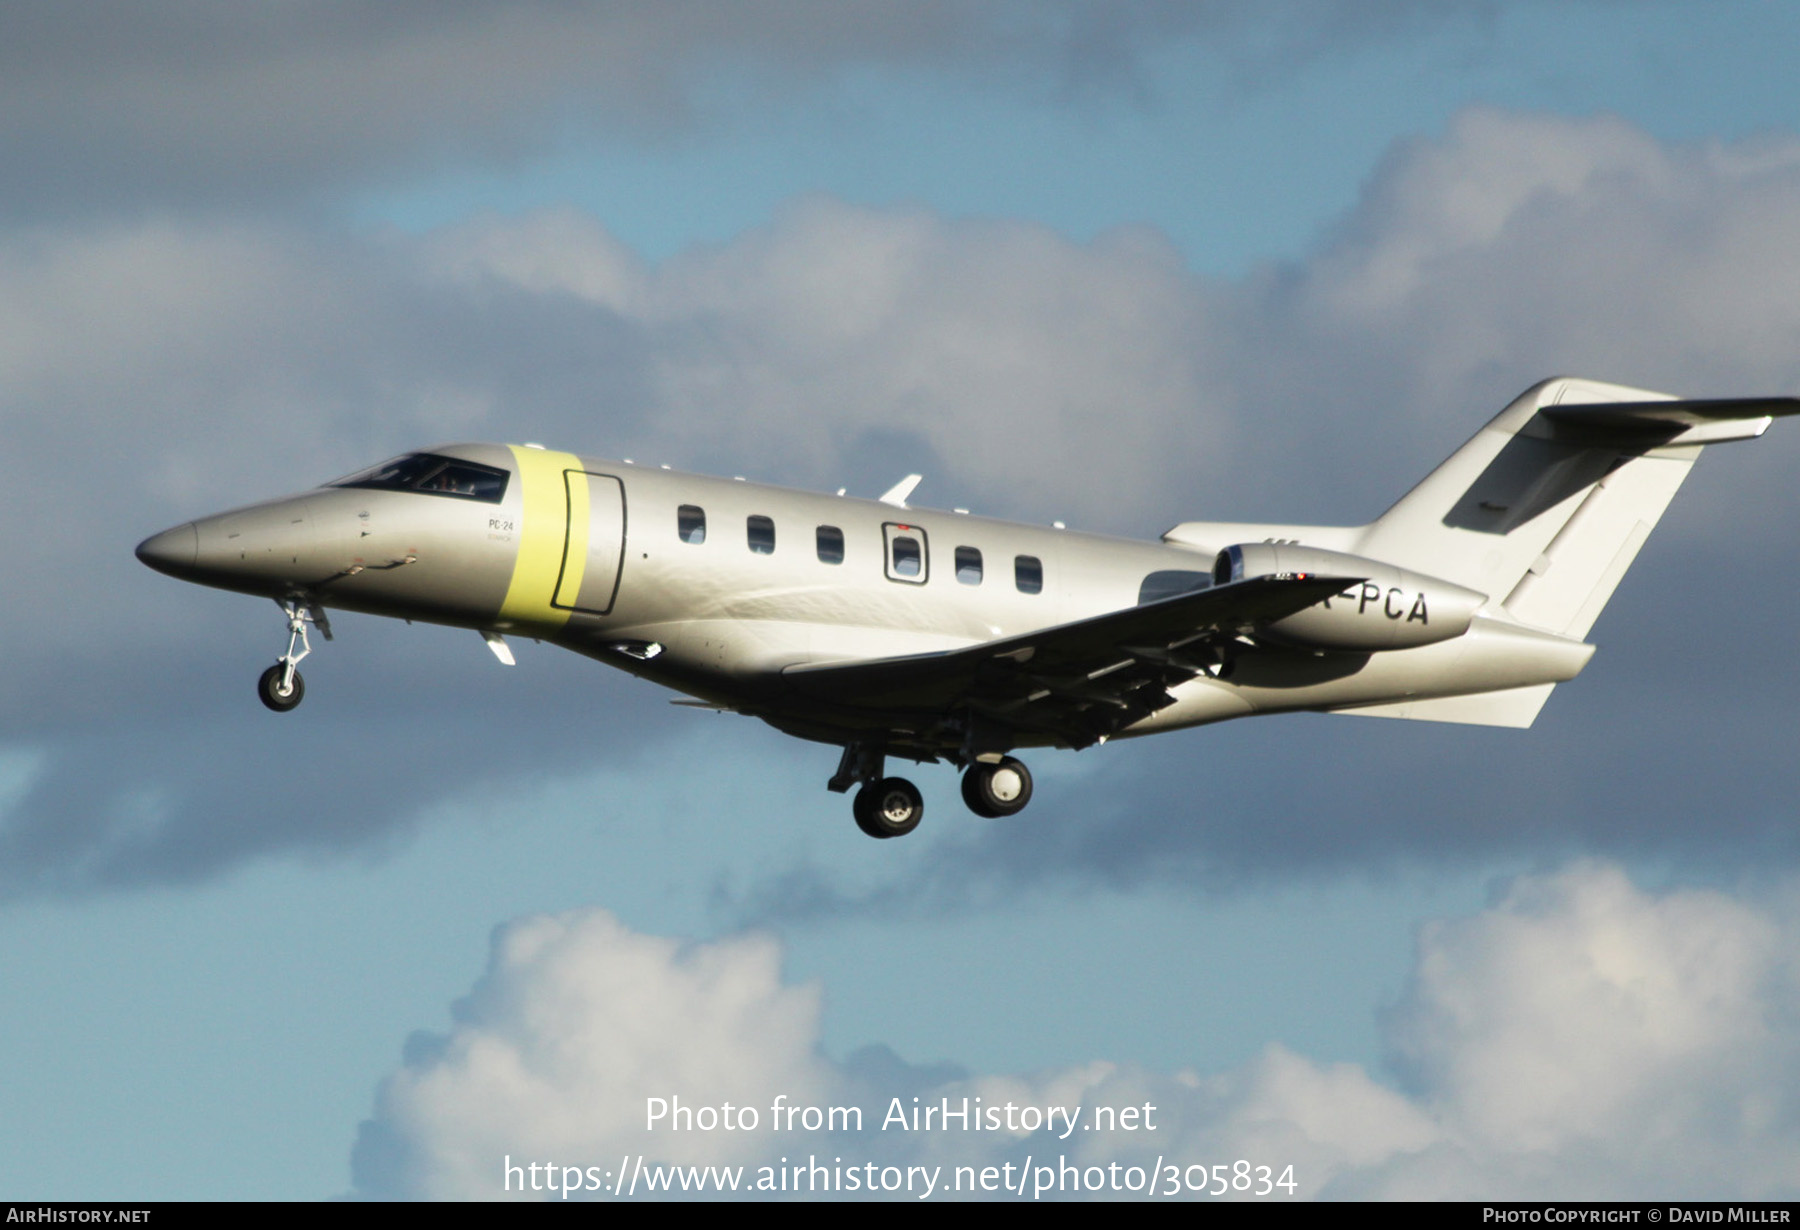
268	689
974	796
995	790
891	807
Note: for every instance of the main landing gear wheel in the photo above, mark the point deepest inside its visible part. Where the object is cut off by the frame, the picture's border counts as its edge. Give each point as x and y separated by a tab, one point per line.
891	807
995	790
277	692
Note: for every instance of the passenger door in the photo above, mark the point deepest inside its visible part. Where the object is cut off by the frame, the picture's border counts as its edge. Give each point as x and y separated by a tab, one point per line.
594	545
907	558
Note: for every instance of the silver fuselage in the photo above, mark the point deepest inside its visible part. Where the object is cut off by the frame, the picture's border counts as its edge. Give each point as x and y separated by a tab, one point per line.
593	555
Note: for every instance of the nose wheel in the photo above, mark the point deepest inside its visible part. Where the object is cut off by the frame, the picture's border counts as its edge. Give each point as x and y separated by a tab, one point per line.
995	790
281	687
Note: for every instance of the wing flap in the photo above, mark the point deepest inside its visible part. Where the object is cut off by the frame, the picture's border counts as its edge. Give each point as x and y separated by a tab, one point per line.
1082	680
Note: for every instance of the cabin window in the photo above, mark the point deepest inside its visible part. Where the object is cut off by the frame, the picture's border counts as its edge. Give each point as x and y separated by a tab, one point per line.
831	544
1028	574
762	535
690	523
1166	584
968	565
905	553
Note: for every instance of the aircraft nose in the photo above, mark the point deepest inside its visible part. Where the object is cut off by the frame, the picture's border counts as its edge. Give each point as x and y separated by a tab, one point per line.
172	551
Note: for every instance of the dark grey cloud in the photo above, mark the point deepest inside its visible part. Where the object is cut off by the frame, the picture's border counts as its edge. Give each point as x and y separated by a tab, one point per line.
1673	749
166	370
158	373
1516	247
116	108
186	778
163	371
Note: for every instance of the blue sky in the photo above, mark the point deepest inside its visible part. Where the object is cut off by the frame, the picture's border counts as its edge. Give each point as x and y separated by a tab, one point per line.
1125	264
1239	155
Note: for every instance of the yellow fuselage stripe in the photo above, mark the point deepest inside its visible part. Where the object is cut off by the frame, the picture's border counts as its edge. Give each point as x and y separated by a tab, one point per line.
574	561
543	535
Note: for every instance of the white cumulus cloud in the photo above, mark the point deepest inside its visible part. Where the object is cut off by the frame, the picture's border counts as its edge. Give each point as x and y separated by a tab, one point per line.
1580	1038
577	1025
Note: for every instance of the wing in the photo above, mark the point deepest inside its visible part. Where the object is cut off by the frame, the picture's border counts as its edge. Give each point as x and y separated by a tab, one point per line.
1078	682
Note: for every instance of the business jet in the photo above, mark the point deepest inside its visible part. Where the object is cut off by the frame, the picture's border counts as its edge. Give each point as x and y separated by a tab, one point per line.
895	632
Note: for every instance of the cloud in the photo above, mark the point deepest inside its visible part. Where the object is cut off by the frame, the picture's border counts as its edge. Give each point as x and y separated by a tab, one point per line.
159	371
1602	992
998	349
174	367
179	369
577	1024
1582	1020
1514	247
208	105
1579	1039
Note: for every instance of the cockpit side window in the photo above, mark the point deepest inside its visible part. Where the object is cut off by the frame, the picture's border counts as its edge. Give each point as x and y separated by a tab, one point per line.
433	474
690	523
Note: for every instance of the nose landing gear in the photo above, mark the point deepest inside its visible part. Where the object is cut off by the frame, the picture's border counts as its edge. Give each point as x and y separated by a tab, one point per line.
281	687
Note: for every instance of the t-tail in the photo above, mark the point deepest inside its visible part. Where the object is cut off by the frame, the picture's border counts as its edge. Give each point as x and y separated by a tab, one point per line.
1542	512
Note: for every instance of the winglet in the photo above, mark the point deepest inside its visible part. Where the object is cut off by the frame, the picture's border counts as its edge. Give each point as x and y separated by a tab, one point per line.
896	495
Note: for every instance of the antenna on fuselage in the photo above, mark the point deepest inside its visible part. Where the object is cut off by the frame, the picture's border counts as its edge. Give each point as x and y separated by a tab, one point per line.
896	495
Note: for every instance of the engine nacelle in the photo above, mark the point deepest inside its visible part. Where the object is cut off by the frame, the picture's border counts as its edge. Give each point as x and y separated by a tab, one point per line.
1391	608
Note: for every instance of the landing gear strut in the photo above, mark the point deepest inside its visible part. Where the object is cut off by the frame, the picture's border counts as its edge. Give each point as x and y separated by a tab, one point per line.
995	790
281	687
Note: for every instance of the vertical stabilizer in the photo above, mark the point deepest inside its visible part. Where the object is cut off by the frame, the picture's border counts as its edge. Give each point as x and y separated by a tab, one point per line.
1548	505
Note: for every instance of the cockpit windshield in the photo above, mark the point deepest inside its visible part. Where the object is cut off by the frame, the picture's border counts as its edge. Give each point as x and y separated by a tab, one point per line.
434	475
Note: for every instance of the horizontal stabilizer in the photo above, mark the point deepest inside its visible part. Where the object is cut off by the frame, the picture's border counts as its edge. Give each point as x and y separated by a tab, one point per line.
1664	423
1515	707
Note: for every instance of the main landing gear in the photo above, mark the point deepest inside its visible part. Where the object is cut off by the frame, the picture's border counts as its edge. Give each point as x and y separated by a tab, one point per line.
885	806
281	687
893	806
995	790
